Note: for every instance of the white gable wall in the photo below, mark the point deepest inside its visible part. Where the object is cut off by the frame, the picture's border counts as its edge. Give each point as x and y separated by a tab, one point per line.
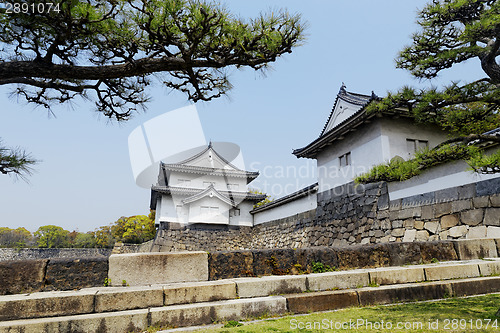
342	111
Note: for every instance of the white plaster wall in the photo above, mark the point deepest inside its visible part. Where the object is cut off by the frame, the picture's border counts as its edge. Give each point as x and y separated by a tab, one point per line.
438	178
400	129
166	209
195	215
291	208
245	218
367	149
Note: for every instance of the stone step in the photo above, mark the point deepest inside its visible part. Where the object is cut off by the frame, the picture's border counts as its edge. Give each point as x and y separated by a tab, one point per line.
139	320
169	303
237	309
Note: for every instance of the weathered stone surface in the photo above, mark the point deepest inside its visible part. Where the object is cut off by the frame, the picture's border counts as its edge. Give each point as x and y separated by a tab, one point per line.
321	301
472	217
481	202
396	275
422	236
196	292
442	209
129	298
432	227
409	235
403	254
270	285
307	256
396	294
22	276
363	256
70	273
427	212
493	232
488	268
458	231
273	262
448	221
495	200
477	232
160	268
208	312
117	322
337	280
476	249
442	251
460	205
230	264
438	272
492	217
419	225
486	285
47	304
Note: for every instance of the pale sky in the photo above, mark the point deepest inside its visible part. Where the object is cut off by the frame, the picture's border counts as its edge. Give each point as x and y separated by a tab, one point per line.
84	179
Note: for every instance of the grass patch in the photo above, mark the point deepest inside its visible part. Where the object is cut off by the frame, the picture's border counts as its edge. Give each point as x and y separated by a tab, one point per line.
473	312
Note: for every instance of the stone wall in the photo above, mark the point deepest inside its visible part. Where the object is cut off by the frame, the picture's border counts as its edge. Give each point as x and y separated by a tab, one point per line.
242	263
29	276
36	253
355	214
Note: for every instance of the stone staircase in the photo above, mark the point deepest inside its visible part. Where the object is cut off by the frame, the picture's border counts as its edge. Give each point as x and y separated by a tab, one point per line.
134	309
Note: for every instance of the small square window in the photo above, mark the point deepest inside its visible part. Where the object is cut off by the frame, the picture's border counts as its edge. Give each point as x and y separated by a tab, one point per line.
345	159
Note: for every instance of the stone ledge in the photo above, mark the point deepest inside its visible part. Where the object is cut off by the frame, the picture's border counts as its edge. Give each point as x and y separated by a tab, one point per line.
270	285
117	322
451	271
321	301
207	313
338	280
197	292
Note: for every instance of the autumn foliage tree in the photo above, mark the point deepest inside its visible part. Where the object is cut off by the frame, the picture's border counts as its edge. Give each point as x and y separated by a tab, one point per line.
111	51
452	32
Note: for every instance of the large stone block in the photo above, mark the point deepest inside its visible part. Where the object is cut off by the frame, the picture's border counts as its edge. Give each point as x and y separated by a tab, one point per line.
451	271
476	248
230	264
493	232
488	267
485	285
209	312
321	301
403	253
307	256
338	280
273	262
197	292
477	232
403	293
492	217
472	217
71	273
396	275
270	285
363	256
138	269
118	322
22	276
128	298
449	221
442	251
46	304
